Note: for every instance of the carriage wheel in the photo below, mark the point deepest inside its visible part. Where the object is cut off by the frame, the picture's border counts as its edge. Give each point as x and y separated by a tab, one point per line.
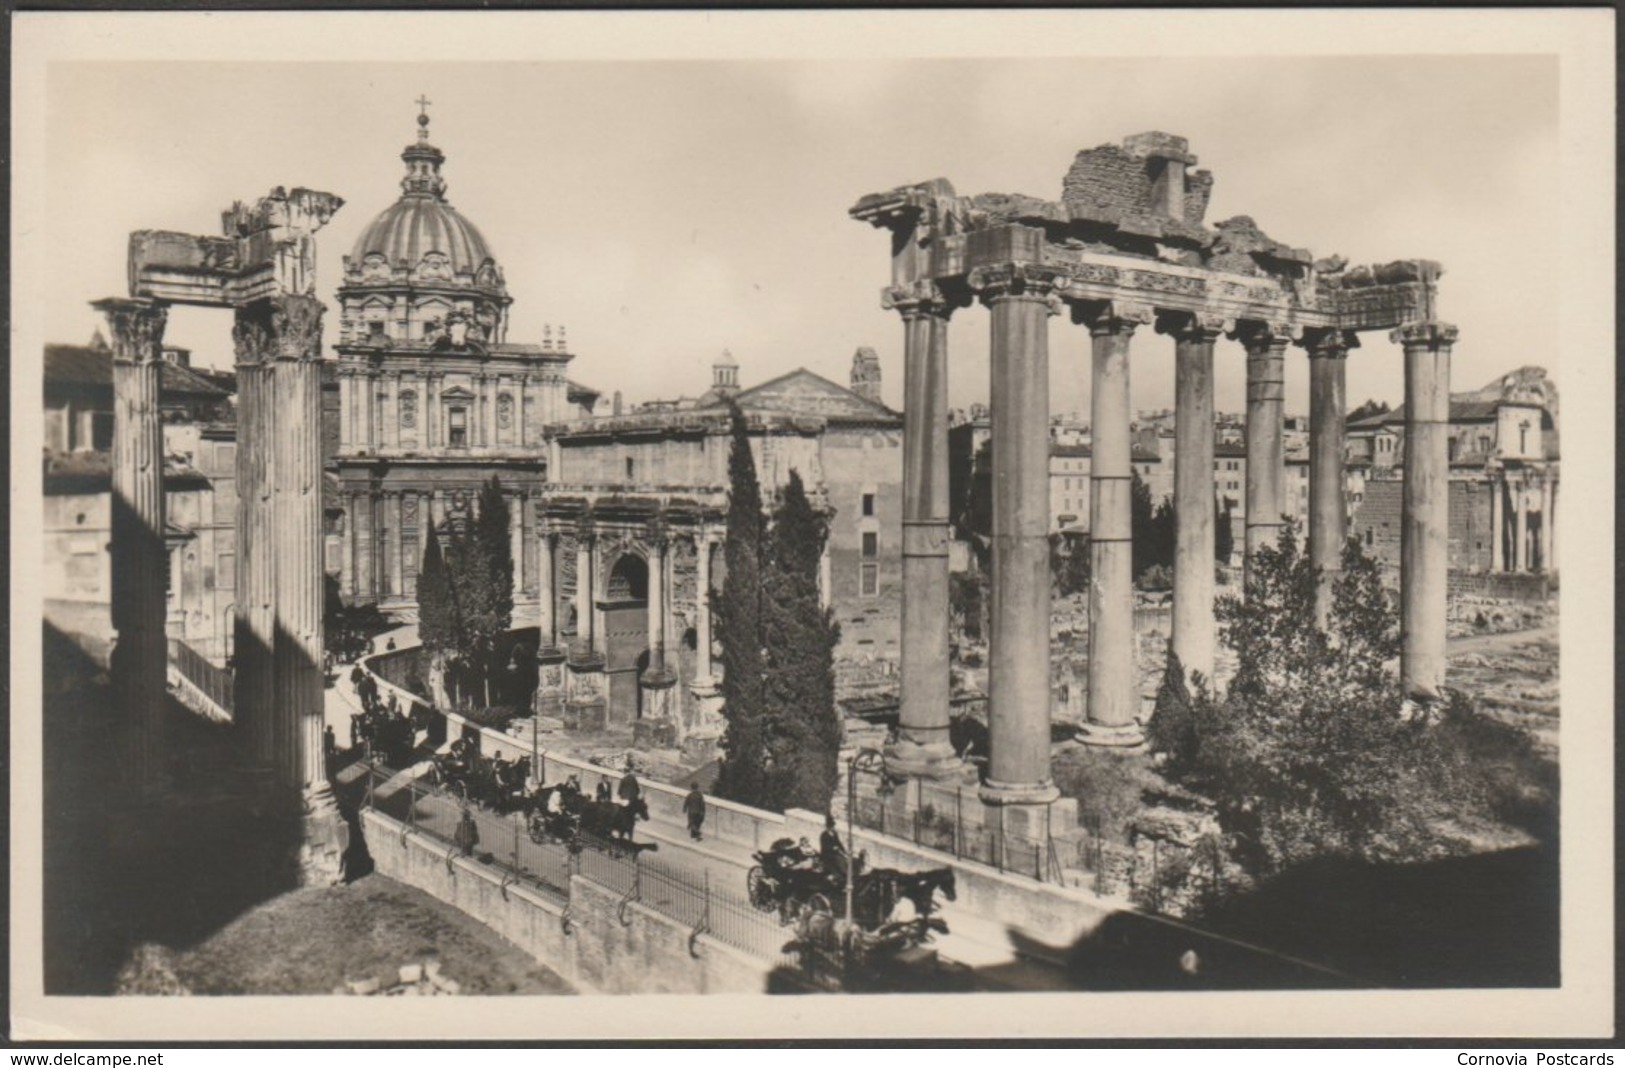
756	889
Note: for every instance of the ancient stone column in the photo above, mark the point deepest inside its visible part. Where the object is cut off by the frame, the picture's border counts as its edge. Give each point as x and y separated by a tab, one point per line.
657	680
392	409
254	334
549	657
346	408
516	544
704	674
1549	544
348	570
923	746
1328	512
140	652
1266	455
586	643
1425	523
1498	522
1520	523
1194	563
397	542
1113	688
1021	299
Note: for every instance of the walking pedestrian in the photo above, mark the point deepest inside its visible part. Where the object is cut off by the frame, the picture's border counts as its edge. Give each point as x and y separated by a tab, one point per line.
330	741
694	809
602	791
629	790
389	647
468	834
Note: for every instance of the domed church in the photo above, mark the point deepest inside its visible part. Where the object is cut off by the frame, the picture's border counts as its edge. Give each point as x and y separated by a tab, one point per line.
433	399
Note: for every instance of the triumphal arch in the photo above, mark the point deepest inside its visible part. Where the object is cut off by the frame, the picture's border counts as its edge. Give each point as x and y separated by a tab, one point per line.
1123	248
263	267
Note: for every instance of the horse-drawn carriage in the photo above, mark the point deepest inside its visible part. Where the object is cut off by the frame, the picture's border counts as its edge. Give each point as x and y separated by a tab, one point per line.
893	917
495	784
563	813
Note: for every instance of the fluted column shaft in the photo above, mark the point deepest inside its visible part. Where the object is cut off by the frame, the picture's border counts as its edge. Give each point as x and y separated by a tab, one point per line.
140	652
586	640
1328	407
657	607
1548	505
923	746
1114	700
703	670
1021	301
1194	563
1498	520
1266	453
1520	524
546	592
1425	523
254	645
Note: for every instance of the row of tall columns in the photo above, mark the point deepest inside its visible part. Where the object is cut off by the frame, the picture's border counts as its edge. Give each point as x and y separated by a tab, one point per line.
140	653
923	746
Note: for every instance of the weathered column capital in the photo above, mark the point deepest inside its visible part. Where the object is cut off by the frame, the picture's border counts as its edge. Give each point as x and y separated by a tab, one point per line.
288	327
1324	344
914	299
1425	335
137	326
1111	317
1196	327
1019	281
1259	337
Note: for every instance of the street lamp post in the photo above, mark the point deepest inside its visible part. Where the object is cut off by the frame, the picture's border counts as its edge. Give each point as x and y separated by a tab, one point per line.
862	760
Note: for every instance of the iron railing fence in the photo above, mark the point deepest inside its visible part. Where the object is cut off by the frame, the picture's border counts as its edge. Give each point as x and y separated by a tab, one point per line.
691	897
213	682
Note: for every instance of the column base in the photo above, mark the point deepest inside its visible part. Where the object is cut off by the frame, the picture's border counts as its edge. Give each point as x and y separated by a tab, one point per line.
324	838
1108	736
924	760
993	792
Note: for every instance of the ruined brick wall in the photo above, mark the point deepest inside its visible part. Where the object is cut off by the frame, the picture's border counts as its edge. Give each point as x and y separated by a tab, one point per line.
1108	177
1471	539
1377	523
856	461
1501	586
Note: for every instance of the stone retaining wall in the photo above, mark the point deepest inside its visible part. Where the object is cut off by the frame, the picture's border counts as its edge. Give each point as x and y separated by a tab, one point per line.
596	951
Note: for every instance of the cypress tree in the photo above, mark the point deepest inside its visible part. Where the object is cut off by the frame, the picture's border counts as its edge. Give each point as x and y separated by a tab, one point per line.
801	726
486	579
435	622
739	625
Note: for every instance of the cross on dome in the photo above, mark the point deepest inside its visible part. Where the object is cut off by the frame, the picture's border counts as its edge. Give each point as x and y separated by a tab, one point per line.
423	103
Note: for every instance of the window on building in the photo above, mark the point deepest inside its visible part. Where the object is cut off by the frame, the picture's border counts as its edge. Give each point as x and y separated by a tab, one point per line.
868	504
631	467
376	328
225	571
1370	536
871	544
1453	448
869	580
457	427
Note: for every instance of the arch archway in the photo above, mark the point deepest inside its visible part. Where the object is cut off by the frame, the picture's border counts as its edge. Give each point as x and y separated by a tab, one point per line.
625	607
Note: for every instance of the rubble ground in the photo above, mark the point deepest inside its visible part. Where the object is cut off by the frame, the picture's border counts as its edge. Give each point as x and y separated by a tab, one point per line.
317	939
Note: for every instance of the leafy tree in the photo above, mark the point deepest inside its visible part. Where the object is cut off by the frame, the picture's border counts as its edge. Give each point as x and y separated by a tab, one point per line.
801	726
1069	564
436	619
739	625
1310	752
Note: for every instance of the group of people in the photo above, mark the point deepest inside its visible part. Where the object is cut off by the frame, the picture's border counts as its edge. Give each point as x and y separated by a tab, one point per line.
382	723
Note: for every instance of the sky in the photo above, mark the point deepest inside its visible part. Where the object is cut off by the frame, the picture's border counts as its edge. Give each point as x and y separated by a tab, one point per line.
666	210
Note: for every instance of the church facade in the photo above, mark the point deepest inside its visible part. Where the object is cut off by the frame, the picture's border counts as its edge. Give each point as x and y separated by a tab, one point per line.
433	399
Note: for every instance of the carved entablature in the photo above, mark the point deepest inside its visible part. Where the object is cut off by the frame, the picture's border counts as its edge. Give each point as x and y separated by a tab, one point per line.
268	249
1128	227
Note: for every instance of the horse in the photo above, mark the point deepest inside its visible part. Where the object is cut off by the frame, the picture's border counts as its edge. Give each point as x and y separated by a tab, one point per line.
921	887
